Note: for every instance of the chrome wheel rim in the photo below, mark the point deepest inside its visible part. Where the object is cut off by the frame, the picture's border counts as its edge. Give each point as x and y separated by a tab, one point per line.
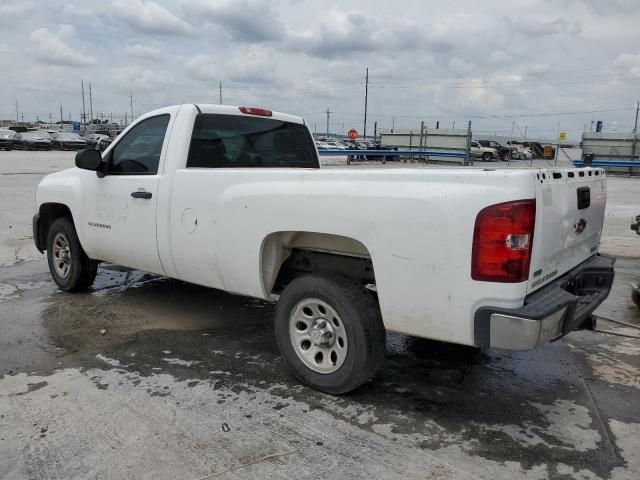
318	335
61	255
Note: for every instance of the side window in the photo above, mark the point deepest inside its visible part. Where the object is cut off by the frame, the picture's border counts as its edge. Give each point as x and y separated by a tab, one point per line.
138	152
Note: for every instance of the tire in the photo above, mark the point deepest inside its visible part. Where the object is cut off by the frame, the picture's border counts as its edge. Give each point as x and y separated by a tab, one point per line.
352	318
69	265
487	157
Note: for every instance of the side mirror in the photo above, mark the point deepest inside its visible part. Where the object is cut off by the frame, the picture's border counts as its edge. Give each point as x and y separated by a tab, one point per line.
88	159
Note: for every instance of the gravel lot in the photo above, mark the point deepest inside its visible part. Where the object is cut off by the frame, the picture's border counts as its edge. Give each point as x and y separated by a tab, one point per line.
187	382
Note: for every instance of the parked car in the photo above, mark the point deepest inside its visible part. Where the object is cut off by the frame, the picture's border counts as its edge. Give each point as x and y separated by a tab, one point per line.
323	145
33	140
503	151
98	141
345	251
7	139
487	154
335	145
520	151
69	141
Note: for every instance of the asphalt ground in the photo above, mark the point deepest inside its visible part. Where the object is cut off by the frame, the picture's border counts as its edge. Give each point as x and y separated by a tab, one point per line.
187	382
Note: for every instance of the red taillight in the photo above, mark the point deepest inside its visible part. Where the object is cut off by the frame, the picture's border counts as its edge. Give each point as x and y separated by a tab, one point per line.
262	112
502	241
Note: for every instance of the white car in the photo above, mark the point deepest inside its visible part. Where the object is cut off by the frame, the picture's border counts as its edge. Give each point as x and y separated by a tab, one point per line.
234	198
334	145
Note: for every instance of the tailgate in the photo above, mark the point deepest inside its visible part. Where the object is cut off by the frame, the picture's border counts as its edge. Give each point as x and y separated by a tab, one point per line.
569	216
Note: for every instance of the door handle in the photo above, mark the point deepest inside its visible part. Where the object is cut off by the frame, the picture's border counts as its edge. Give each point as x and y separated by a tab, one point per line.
141	194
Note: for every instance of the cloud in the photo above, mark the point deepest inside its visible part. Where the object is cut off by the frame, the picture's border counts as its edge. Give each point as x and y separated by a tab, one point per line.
247	21
134	76
460	66
630	61
149	17
51	48
203	67
537	27
146	52
15	9
338	33
73	13
251	65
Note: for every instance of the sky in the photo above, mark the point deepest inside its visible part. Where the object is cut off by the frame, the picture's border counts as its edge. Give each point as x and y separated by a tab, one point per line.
544	65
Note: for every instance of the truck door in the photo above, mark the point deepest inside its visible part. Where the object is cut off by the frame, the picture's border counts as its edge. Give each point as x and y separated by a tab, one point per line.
120	209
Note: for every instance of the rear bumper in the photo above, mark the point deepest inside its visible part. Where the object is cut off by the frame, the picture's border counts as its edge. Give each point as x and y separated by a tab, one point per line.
549	313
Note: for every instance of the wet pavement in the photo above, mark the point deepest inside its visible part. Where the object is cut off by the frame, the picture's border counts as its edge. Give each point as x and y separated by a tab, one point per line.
187	382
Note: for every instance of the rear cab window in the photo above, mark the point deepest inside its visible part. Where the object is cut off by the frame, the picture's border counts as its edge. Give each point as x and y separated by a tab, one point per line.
234	141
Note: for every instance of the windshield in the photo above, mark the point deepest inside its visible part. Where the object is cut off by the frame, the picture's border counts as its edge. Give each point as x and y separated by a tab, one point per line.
227	141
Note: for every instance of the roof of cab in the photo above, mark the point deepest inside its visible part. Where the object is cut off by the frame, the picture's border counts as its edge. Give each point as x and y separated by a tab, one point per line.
235	110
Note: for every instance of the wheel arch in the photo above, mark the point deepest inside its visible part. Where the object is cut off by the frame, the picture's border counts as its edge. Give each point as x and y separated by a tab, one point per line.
47	214
284	251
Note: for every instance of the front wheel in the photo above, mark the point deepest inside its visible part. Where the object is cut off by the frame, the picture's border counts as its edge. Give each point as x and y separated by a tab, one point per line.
330	332
70	267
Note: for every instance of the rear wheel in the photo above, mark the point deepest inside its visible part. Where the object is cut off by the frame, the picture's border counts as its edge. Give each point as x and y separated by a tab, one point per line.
330	332
487	157
70	267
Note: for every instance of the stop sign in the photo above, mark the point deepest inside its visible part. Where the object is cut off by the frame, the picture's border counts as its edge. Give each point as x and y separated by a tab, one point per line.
352	134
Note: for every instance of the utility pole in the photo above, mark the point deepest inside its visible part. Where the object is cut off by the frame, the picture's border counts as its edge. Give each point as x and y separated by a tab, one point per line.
90	105
635	128
84	113
220	92
328	115
366	97
131	103
61	118
50	121
17	113
393	123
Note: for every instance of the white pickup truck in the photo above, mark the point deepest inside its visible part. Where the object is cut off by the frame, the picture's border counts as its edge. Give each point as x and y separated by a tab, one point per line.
234	198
